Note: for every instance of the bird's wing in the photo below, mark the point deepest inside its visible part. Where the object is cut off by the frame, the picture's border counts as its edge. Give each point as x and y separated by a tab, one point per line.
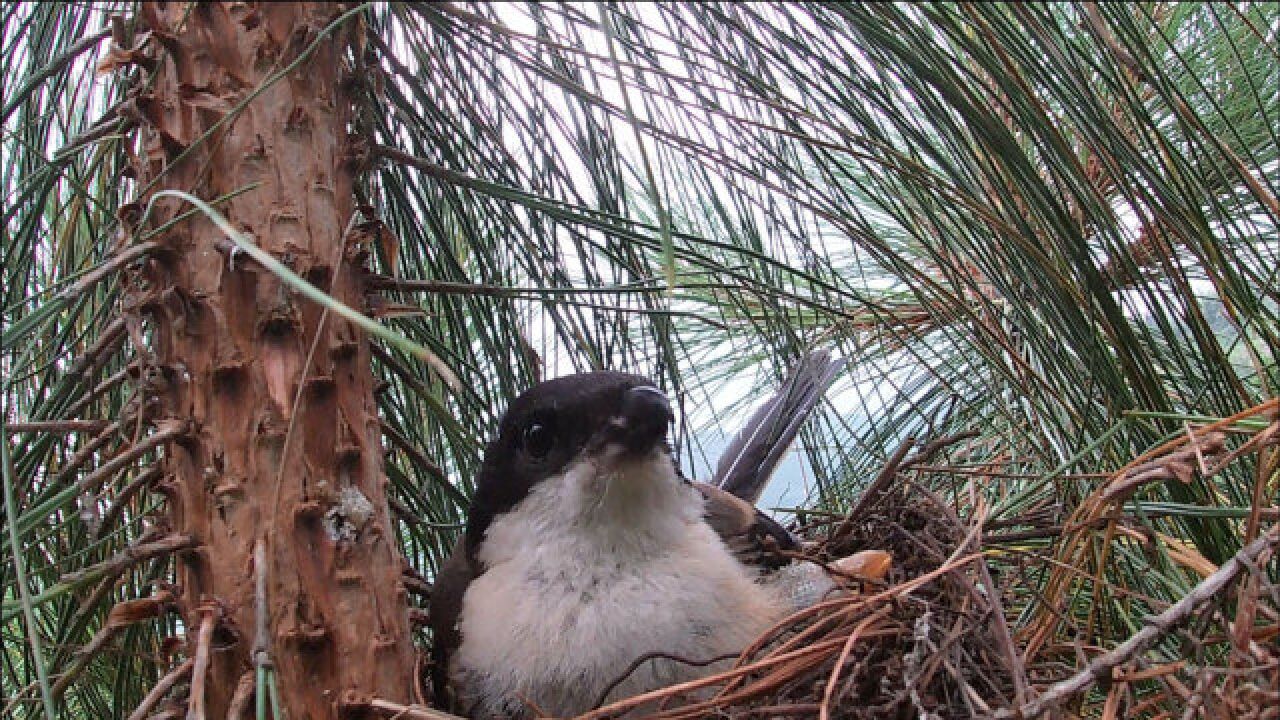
754	453
446	605
753	537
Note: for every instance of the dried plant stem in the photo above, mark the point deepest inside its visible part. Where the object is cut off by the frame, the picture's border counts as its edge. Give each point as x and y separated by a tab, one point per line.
119	563
635	665
85	454
121	616
876	488
825	710
159	691
240	700
1101	667
133	555
108	383
927	451
992	599
261	633
626	704
124	613
123	497
387	708
1177	465
58	426
1270	406
162	436
121	258
200	671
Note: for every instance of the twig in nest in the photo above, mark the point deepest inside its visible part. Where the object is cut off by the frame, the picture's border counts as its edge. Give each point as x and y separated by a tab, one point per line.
1203	683
781	710
874	490
915	660
824	711
622	706
802	659
160	690
655	656
1101	667
991	597
928	450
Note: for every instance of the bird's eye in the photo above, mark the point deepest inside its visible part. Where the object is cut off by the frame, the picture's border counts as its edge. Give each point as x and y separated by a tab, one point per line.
538	439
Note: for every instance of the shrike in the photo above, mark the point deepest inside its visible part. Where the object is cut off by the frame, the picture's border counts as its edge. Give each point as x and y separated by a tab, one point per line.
585	549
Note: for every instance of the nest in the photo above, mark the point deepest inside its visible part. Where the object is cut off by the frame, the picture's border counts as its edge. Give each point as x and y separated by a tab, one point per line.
933	641
930	641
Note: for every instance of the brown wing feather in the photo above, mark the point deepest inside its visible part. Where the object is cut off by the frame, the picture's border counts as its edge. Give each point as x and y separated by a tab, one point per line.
753	537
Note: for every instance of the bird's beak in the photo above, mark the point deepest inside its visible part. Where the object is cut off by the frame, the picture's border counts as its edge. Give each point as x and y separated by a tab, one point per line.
643	420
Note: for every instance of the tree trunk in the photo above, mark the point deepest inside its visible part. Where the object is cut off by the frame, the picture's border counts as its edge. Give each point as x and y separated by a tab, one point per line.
283	446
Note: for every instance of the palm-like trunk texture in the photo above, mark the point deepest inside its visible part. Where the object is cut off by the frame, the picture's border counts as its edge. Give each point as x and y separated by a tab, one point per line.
282	444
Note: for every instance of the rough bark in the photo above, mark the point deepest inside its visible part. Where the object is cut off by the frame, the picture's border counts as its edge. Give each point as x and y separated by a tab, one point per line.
284	444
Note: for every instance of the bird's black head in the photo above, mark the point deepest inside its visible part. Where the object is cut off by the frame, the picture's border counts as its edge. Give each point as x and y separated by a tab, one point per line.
555	423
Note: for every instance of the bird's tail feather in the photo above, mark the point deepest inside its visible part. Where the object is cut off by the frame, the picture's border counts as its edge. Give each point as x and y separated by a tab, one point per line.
755	452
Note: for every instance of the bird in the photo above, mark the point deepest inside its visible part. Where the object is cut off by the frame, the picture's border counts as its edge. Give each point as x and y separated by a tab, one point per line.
586	549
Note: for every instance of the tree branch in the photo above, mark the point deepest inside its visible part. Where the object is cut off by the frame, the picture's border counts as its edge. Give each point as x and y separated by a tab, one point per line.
160	690
117	564
200	671
163	435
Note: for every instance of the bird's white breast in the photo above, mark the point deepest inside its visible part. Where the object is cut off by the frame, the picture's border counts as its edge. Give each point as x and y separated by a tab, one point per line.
592	570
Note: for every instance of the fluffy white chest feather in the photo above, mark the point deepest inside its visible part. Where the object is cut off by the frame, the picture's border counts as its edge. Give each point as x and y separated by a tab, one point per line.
595	568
